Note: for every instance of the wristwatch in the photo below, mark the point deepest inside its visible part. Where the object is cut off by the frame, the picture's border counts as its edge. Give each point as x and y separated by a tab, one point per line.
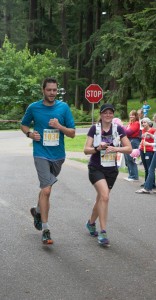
27	134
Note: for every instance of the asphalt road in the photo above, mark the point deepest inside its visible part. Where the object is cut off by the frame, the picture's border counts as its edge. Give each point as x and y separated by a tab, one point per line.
75	267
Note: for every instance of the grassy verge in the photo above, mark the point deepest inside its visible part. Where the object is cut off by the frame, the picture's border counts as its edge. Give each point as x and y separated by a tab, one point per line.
122	170
135	104
76	144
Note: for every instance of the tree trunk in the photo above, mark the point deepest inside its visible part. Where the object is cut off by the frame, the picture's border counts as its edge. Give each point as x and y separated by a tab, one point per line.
123	103
7	19
64	47
95	73
32	20
88	51
143	92
78	64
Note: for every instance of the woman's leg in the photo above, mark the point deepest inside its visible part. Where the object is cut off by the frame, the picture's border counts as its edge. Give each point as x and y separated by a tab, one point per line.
132	167
100	208
148	158
151	174
142	154
132	164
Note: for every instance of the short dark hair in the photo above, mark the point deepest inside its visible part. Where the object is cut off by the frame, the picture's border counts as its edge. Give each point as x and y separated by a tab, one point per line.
48	80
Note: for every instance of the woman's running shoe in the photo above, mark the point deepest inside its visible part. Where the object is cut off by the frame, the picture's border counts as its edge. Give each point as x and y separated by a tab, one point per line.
102	239
92	228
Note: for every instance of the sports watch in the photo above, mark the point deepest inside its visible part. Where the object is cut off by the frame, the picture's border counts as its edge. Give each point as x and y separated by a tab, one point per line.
27	134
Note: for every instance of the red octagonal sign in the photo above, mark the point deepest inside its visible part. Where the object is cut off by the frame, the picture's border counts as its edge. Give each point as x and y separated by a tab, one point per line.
93	93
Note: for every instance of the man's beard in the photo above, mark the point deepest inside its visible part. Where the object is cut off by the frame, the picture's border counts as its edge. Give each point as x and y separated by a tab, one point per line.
49	101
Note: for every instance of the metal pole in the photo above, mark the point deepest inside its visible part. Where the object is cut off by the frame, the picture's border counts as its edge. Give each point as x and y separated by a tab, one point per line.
92	113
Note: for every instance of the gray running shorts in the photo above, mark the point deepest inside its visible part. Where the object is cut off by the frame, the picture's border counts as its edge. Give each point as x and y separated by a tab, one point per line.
47	171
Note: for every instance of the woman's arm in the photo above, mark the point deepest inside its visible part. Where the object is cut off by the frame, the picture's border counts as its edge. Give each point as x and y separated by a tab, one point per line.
89	148
134	127
148	134
149	144
126	147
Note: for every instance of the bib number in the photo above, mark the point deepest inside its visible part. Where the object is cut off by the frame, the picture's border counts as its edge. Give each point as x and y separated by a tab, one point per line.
51	137
108	159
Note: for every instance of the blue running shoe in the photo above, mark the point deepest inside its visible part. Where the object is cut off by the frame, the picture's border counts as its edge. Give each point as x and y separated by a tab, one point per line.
46	238
102	238
92	228
37	218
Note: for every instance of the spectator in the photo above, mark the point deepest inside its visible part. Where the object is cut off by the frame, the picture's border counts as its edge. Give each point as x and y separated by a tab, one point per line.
146	151
148	186
146	107
133	133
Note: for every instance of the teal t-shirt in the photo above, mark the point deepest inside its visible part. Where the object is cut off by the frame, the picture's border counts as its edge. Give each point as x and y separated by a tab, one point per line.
40	115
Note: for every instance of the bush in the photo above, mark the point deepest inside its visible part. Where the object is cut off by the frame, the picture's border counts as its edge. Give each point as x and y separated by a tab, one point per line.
9	125
81	116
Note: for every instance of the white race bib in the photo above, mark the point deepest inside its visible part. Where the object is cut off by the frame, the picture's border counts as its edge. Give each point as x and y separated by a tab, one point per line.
51	137
108	159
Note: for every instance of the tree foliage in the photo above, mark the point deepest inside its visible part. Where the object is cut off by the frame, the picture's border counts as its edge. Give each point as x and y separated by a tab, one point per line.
111	43
21	74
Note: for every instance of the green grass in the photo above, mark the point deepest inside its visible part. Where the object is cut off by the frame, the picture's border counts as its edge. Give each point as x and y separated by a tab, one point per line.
135	104
81	160
124	170
76	144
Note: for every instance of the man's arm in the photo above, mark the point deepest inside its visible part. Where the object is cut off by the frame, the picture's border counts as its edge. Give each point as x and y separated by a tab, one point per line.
33	135
25	129
70	132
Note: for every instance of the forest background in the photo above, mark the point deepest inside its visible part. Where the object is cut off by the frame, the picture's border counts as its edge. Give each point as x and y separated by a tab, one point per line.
110	43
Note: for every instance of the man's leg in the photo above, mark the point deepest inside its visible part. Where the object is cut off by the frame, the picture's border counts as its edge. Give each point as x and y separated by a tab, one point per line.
47	172
44	203
35	212
40	213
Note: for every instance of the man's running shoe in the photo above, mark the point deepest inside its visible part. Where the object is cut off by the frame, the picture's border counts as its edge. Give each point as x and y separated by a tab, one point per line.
37	218
102	239
46	239
92	228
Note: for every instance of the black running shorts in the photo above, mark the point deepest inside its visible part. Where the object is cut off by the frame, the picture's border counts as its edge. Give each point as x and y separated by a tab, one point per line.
109	174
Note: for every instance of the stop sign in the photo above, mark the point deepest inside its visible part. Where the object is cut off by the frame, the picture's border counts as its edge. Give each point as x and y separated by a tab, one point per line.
93	93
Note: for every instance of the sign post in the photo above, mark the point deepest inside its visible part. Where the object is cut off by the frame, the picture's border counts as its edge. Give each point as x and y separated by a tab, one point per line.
93	94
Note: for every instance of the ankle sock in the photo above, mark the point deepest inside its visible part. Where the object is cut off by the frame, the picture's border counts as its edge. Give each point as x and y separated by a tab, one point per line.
45	226
92	224
38	210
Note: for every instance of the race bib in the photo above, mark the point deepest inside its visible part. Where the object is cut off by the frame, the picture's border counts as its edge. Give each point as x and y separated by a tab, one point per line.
51	137
108	159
